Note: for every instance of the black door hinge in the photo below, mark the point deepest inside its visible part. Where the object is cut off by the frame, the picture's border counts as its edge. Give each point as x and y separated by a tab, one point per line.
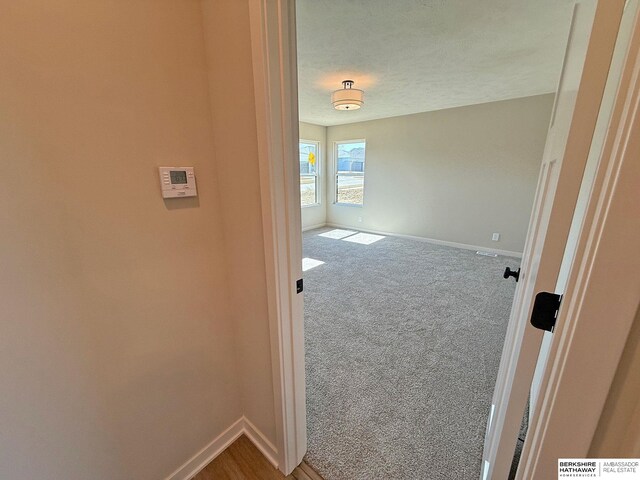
299	286
545	310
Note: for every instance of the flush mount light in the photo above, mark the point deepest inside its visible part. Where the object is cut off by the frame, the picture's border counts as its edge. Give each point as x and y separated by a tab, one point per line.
347	98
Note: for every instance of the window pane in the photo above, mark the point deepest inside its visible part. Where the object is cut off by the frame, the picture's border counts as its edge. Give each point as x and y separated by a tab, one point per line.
351	157
308	158
308	173
308	190
351	189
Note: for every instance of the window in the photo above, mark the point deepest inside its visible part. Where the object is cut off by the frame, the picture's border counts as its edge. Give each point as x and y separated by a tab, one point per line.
309	159
350	172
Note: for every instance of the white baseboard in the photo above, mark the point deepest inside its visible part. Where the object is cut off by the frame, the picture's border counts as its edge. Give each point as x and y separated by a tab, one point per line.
261	442
465	246
241	426
201	459
313	227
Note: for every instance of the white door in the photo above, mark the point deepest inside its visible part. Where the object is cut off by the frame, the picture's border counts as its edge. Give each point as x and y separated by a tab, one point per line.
590	46
588	178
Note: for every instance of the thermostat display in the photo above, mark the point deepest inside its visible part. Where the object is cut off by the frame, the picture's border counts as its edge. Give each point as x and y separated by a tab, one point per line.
177	182
178	177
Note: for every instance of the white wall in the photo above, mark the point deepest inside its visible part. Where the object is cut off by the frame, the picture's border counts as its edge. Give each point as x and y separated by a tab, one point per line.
456	175
117	351
316	215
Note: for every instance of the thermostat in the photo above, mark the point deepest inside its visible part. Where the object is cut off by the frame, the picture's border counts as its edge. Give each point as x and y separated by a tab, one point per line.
177	182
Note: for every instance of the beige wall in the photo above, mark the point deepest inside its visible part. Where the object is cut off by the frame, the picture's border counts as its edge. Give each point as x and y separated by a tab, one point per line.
456	175
618	432
228	44
116	348
317	214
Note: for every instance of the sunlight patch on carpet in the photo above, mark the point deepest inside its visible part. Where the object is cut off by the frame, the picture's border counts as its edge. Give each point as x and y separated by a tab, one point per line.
309	263
337	234
364	238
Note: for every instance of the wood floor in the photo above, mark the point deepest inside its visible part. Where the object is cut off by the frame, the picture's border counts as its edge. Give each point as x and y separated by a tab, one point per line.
243	461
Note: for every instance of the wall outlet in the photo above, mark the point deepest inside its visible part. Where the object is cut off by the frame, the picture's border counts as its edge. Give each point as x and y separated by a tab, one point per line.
495	237
360	219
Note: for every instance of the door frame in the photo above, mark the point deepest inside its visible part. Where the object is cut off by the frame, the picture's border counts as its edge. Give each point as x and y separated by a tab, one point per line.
275	89
273	45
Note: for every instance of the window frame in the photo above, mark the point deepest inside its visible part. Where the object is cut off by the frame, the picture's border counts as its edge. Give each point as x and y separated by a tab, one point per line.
336	175
317	175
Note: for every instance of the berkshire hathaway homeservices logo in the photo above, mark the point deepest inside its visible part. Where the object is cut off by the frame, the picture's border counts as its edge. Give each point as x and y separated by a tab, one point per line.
605	468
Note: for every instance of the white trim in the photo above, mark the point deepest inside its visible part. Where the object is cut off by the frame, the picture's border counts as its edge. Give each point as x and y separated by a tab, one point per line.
336	175
350	205
204	457
261	442
465	246
273	40
601	298
318	174
201	459
313	227
566	151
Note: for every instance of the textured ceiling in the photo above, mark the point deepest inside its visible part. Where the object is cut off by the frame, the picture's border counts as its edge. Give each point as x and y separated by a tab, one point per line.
413	56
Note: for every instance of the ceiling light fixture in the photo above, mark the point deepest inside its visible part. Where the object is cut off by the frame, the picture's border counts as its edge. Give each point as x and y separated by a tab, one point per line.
347	98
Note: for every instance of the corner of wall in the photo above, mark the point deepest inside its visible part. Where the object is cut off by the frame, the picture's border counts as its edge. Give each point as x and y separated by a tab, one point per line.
226	23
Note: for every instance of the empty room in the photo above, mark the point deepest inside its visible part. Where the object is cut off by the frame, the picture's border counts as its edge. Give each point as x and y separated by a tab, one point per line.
422	135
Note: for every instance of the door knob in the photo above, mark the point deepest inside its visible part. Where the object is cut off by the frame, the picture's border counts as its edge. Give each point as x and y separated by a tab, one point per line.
511	273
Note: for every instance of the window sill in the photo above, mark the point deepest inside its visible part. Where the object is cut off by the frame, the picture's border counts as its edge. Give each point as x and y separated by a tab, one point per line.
347	205
311	205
